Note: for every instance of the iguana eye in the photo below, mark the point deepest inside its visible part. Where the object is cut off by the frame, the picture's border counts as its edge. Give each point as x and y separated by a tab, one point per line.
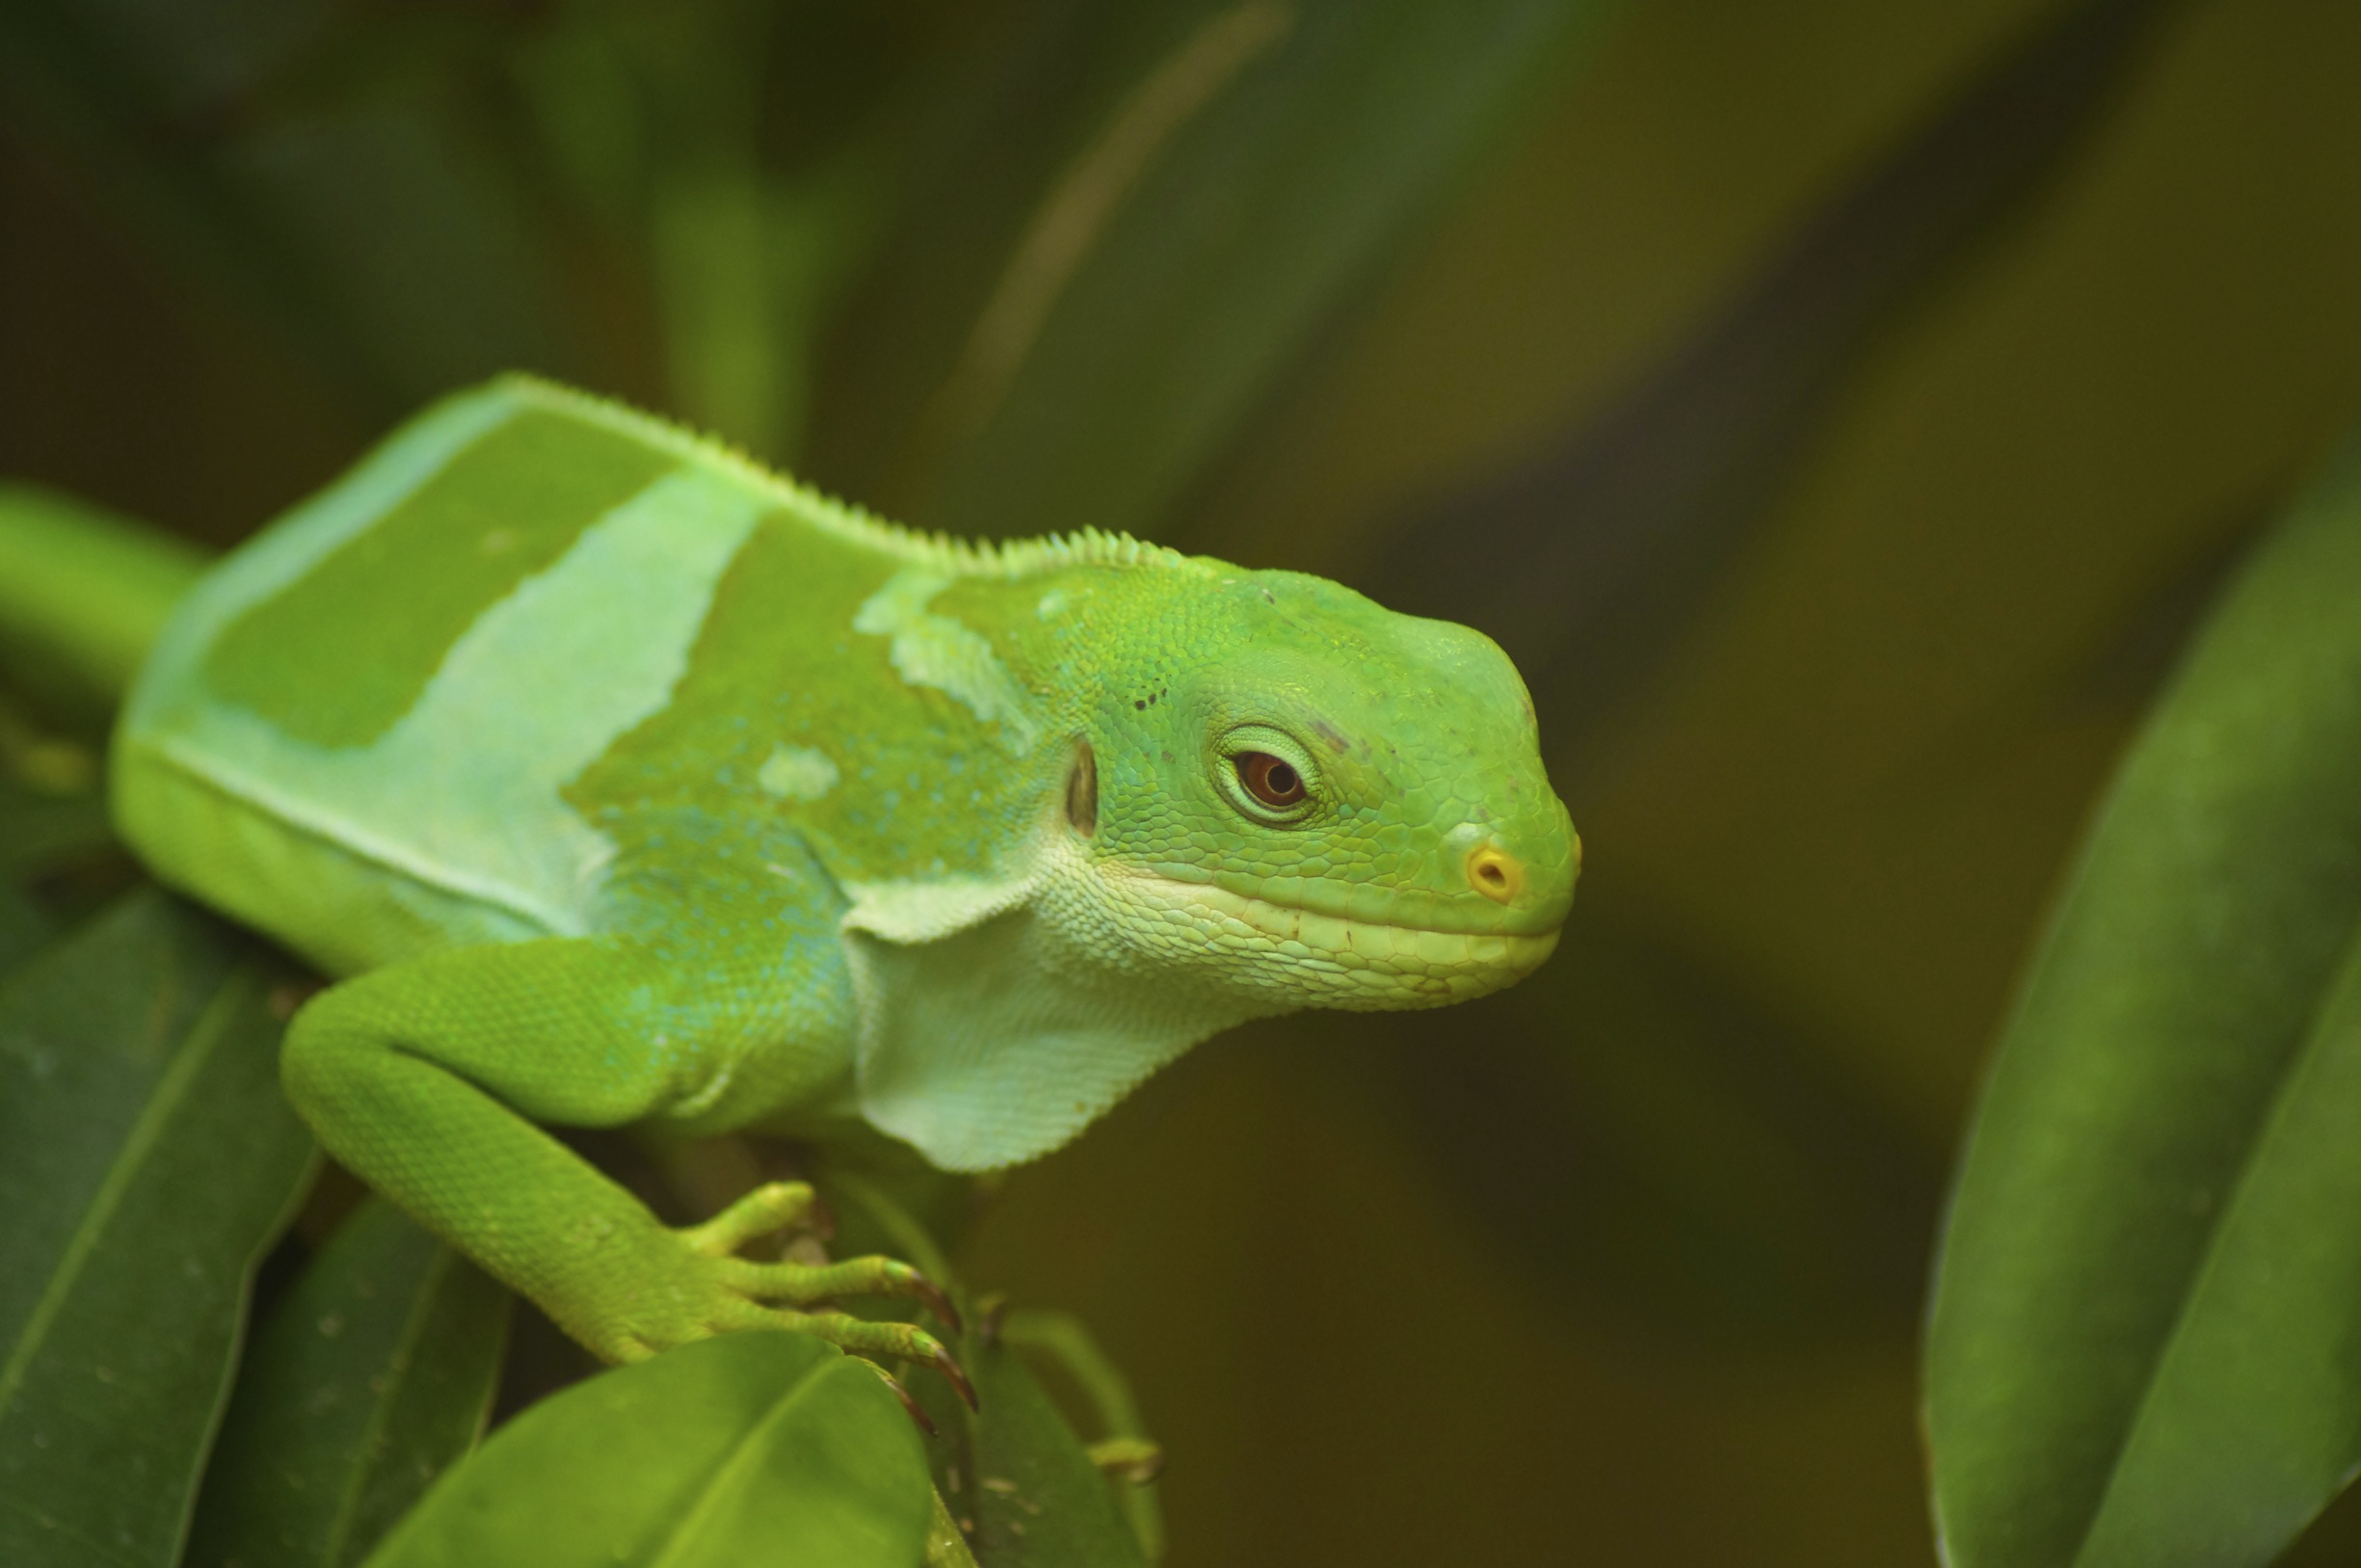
1271	780
1266	775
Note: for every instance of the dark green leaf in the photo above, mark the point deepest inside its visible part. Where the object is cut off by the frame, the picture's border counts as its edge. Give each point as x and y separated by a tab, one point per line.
1017	1478
24	927
370	1379
2142	1342
146	1162
1066	1343
358	215
1627	525
747	1447
2253	1418
422	267
38	831
1076	322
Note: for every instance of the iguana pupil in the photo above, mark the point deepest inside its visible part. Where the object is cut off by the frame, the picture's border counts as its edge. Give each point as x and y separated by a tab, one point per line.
1270	780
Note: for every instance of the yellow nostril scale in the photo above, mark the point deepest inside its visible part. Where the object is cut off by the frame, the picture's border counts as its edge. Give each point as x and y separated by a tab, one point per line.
1495	874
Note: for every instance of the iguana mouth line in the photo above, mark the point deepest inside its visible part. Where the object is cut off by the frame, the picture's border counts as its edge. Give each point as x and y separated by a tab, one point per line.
1337	936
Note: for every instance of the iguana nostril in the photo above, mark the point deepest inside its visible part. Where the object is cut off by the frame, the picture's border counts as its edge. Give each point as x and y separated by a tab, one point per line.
1496	874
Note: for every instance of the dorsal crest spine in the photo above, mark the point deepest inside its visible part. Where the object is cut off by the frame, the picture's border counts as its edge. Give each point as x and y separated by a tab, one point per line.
1003	559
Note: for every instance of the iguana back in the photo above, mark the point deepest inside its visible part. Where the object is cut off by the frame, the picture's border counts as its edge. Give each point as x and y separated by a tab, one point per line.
432	705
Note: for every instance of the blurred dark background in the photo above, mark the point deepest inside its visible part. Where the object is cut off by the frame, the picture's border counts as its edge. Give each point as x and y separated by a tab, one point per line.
1841	410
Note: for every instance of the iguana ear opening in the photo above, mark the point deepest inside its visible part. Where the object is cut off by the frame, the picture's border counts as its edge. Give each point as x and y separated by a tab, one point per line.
1082	791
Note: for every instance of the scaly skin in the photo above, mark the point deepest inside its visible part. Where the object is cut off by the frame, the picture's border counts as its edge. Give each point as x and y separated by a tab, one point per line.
620	783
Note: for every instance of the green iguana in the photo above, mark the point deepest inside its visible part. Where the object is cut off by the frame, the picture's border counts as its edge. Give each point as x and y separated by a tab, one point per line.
617	780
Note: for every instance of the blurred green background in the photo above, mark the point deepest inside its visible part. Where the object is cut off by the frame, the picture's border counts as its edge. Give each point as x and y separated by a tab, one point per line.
1842	411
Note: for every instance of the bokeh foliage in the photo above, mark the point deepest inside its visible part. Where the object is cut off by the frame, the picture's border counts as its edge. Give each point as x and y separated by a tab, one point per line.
1842	410
2141	1347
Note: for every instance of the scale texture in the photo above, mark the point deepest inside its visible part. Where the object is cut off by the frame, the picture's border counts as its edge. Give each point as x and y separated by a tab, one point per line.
618	781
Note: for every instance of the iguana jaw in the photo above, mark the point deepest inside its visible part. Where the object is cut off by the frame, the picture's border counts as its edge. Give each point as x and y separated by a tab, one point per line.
1319	960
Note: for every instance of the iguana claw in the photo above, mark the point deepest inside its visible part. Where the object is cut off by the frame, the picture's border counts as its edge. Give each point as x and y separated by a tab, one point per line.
918	1411
956	1376
932	1296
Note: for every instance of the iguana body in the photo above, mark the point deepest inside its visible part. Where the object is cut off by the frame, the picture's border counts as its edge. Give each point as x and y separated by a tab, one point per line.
619	781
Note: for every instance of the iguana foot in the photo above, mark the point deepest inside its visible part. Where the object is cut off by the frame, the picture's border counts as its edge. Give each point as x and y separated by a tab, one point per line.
885	1342
706	1289
784	1205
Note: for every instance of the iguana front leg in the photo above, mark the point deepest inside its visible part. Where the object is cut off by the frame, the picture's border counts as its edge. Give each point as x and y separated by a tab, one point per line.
427	1078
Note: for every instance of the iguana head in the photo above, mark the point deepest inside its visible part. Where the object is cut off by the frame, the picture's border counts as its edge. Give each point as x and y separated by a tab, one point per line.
1290	793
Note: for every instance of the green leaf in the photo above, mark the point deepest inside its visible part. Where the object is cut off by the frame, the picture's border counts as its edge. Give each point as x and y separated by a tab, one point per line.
2253	1418
2141	1344
146	1160
372	1377
1075	324
1016	1477
747	1448
1063	1340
